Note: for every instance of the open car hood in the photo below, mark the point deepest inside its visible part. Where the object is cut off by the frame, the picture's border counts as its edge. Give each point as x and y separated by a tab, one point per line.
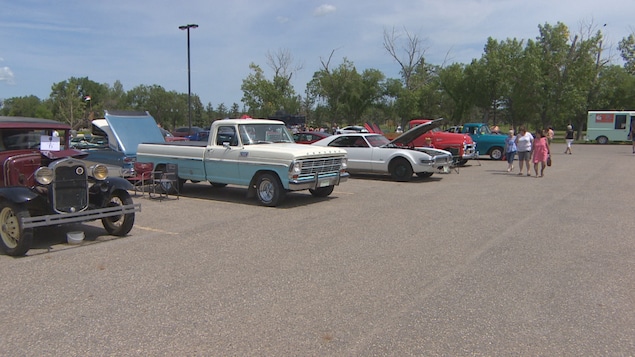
410	135
126	131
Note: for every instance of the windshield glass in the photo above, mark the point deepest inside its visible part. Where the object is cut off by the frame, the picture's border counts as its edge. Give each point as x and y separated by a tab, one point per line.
264	134
377	140
21	139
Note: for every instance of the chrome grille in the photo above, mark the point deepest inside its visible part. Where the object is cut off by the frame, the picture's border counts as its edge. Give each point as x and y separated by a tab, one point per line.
313	166
70	187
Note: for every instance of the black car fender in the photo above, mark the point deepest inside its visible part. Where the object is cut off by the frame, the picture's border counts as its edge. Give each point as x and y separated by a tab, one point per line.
17	194
101	191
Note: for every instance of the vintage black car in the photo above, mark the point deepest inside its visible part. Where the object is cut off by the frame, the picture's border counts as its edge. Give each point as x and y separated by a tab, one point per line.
43	182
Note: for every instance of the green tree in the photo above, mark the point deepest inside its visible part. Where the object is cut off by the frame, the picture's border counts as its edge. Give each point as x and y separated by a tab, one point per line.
627	49
68	103
29	106
264	97
453	82
115	97
344	95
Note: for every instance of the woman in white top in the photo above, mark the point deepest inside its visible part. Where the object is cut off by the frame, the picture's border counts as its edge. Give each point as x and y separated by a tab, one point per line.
524	140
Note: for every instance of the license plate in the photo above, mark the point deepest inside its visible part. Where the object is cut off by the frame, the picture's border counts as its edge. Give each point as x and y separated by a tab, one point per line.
325	183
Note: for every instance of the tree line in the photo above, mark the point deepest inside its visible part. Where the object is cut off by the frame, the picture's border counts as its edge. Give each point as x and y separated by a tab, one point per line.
552	80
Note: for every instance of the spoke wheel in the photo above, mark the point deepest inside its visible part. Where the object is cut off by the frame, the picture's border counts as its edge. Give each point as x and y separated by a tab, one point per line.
16	240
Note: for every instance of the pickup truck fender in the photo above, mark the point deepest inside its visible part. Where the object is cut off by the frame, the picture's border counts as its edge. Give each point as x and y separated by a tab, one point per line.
251	190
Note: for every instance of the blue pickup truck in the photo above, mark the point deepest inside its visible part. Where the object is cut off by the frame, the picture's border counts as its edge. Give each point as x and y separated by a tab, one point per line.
487	143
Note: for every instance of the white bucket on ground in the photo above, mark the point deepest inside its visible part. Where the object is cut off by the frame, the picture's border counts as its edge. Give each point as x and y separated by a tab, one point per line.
75	237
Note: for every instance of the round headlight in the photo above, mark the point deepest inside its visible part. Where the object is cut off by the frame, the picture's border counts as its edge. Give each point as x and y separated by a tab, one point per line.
44	175
100	172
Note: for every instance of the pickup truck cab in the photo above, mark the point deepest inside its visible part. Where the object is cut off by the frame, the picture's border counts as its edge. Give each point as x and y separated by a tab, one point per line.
257	153
460	145
487	143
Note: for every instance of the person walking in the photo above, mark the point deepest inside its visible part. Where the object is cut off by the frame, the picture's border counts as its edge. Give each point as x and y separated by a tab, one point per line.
524	141
568	137
550	134
540	152
631	134
510	150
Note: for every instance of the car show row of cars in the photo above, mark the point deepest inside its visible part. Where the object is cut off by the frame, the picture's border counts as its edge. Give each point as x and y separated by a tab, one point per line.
50	177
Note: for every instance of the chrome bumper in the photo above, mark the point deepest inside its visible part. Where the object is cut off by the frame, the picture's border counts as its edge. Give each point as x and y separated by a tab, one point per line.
83	216
469	153
317	181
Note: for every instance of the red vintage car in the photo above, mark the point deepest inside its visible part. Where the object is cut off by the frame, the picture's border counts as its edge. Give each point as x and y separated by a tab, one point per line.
460	145
44	182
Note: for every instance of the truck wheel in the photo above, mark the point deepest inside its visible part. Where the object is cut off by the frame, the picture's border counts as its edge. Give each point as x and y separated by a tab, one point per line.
16	240
269	190
602	140
496	153
400	170
322	191
122	224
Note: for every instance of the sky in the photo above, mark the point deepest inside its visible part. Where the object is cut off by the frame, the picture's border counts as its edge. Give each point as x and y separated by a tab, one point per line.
138	42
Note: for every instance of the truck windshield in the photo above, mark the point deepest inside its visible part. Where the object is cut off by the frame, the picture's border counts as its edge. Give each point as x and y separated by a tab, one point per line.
264	134
485	130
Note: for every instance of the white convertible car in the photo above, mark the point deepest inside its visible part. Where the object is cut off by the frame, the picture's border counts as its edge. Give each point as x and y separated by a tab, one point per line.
373	153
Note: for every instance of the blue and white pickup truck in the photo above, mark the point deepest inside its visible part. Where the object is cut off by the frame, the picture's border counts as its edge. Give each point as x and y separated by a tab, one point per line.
257	153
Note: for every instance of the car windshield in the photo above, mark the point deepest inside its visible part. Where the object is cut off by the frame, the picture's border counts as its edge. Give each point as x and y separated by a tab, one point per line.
377	140
264	134
19	139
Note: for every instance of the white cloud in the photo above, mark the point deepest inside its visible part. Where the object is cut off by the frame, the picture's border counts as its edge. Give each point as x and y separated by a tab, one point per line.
6	75
323	10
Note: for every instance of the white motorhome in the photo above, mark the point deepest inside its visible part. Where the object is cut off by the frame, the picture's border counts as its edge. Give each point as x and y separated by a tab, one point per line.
609	125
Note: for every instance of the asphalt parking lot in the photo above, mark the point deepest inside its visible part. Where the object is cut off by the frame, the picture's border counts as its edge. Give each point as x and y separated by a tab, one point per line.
475	263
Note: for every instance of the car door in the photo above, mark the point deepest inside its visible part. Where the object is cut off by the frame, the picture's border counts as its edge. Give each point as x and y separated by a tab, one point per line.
222	156
358	151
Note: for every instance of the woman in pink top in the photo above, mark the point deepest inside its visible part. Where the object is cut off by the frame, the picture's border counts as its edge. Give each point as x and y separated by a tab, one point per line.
540	152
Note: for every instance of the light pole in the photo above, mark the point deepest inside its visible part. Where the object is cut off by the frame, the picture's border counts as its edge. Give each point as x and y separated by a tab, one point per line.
189	85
